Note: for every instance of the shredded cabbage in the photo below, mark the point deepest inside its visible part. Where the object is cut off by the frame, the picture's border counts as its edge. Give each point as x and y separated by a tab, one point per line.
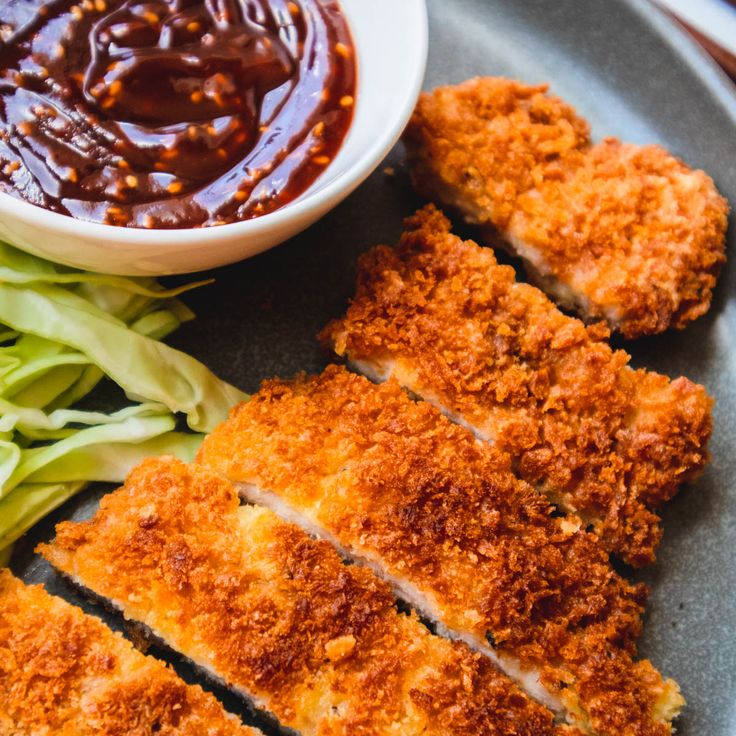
61	332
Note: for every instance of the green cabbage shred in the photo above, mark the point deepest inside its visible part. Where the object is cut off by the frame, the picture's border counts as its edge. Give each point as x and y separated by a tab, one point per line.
61	332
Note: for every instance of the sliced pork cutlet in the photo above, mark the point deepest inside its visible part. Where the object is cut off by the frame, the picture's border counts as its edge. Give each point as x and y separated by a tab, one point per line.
600	439
64	673
398	487
618	232
278	617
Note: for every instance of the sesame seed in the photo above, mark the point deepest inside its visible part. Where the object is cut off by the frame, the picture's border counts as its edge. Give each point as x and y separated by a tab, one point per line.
159	166
321	160
149	222
88	5
342	50
293	8
194	26
319	128
192	131
212	130
346	101
123	164
241	137
107	103
222	153
196	96
116	87
175	187
151	17
169	154
100	6
131	181
77	12
59	51
325	95
241	196
72	175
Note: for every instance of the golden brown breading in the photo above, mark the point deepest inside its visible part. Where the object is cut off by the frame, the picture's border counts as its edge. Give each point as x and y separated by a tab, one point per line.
454	327
278	615
64	673
619	232
399	486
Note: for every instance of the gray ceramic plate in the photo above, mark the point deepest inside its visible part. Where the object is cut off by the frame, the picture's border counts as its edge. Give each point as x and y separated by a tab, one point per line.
635	76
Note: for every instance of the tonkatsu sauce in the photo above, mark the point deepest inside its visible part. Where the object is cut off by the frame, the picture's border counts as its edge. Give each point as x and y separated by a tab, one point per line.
171	113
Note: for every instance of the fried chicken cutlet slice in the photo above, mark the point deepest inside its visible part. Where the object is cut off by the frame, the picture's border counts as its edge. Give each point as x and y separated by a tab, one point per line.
277	616
600	439
64	673
616	231
397	486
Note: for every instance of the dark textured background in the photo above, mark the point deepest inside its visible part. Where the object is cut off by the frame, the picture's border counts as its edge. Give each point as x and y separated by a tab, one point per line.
635	76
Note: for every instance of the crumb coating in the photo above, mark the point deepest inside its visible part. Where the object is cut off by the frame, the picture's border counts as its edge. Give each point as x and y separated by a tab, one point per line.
278	615
399	485
597	437
620	232
64	673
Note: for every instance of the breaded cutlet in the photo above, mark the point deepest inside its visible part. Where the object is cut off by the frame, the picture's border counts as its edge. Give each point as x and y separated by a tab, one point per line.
618	232
599	439
277	616
397	486
64	673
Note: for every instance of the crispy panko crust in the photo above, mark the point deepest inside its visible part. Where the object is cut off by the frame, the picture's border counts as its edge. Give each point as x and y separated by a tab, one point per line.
398	485
597	437
619	232
278	615
63	672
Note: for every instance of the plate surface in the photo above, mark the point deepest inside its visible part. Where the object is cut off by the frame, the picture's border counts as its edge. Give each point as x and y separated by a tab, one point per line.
632	74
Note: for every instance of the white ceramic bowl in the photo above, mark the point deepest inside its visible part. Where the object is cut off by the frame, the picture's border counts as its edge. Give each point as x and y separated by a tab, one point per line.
391	41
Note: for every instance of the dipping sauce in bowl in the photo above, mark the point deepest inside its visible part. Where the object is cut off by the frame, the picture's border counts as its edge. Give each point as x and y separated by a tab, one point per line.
171	113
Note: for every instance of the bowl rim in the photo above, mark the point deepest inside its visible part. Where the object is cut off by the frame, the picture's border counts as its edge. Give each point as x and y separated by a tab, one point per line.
312	199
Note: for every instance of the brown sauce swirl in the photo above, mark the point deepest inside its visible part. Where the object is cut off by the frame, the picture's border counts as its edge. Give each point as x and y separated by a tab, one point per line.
171	113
